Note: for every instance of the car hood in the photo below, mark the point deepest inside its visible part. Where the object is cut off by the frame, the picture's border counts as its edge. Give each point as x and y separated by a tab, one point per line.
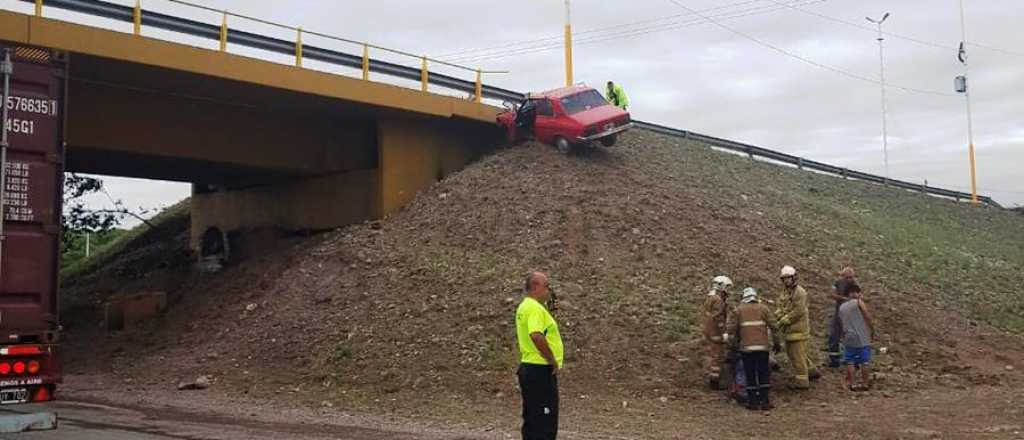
598	115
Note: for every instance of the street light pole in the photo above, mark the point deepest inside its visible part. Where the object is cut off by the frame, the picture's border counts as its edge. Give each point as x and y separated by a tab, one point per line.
881	63
967	96
568	44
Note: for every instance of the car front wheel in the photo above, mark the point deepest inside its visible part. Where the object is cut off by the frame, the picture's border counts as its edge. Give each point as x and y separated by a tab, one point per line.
609	141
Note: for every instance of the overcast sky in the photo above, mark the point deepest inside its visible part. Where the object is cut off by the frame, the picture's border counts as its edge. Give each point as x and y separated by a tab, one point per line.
704	78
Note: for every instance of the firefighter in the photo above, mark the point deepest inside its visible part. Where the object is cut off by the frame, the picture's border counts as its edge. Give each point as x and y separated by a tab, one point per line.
794	324
617	96
754	327
715	311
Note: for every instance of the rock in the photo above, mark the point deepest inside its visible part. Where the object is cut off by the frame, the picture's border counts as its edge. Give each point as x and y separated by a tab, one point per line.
1009	368
625	404
500	395
443	196
201	383
636	231
327	404
663	399
251	307
510	300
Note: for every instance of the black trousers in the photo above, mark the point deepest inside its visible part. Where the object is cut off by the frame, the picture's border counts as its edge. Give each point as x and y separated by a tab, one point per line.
759	372
835	328
540	402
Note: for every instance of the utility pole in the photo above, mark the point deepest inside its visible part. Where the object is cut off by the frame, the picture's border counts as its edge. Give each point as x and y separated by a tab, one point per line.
568	44
881	63
966	90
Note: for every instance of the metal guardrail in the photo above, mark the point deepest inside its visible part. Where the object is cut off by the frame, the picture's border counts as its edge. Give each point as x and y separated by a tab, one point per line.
141	17
801	163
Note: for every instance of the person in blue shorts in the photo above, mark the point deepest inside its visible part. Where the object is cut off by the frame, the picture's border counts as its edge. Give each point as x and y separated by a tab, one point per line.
858	334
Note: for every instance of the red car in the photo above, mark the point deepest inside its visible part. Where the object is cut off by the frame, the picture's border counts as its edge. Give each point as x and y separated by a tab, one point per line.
565	118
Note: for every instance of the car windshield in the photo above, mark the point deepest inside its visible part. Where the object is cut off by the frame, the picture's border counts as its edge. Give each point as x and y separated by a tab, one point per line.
583	101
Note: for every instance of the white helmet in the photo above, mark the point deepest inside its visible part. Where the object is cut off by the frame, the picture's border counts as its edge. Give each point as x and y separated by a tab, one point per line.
721	283
787	271
749	295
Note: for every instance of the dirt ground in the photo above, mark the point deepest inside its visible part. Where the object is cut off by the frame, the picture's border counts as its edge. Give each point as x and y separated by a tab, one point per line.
409	318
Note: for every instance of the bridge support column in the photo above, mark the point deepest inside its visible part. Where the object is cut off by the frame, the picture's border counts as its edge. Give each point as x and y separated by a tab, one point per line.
415	153
316	203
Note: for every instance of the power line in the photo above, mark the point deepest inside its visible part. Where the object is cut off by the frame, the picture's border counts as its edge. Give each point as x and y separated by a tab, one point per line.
633	32
808	60
558	38
891	34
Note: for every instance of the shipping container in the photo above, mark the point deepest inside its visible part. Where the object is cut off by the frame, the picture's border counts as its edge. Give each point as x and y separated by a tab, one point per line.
33	167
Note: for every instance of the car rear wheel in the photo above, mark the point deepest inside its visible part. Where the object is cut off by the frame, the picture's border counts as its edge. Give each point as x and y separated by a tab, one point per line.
609	141
563	145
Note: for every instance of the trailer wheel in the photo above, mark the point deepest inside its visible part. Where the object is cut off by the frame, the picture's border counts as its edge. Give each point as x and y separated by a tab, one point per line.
563	145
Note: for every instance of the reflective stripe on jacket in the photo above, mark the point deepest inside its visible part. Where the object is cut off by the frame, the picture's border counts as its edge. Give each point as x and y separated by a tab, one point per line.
792	314
715	314
755	327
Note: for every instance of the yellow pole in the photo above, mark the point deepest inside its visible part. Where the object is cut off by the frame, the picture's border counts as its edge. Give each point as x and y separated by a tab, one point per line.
39	8
424	75
568	45
138	17
224	32
298	48
366	62
970	118
479	87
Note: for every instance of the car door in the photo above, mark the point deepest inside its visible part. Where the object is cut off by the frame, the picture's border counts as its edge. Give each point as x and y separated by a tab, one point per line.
547	122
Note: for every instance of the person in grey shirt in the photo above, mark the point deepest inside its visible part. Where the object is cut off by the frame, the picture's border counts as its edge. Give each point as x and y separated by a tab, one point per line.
858	334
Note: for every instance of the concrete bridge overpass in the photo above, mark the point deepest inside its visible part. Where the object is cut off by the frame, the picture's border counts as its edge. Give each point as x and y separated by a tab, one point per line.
264	144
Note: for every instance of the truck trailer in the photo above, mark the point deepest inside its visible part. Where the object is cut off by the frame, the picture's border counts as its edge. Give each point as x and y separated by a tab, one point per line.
31	174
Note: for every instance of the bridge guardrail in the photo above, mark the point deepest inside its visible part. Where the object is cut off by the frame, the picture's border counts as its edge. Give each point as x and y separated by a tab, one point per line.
225	35
799	162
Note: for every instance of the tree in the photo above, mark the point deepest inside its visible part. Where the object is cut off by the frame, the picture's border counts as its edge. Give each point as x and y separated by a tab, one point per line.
78	217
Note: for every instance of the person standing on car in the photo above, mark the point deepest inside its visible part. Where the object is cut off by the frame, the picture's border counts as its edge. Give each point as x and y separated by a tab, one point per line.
617	96
541	357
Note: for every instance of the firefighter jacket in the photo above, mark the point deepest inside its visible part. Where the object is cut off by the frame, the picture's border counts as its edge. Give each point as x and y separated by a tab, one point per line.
617	96
792	315
715	312
754	327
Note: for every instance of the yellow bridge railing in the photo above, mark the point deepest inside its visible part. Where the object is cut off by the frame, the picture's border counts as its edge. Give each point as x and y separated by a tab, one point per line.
424	61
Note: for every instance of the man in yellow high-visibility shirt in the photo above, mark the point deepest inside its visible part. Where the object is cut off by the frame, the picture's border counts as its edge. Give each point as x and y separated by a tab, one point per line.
540	359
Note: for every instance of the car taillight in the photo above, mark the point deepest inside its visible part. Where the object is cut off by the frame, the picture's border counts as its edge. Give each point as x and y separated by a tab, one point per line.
5	368
19	367
33	367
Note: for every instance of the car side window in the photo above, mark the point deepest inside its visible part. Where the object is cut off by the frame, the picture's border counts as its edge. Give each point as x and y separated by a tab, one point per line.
544	108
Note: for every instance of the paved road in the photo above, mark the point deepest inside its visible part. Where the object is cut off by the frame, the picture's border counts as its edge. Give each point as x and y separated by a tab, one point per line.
88	421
